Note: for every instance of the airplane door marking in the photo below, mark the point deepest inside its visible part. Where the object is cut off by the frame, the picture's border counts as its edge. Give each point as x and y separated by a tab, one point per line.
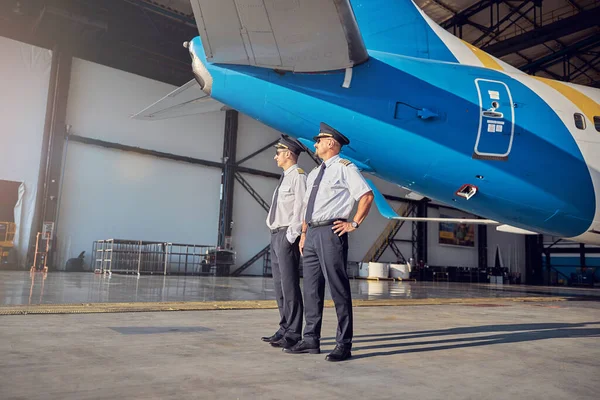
496	120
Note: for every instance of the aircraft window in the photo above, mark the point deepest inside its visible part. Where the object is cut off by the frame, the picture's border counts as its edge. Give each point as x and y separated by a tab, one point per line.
597	123
579	121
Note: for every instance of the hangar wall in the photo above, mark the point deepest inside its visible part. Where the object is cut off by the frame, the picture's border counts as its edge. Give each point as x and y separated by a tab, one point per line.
512	250
448	255
114	194
25	72
102	99
511	246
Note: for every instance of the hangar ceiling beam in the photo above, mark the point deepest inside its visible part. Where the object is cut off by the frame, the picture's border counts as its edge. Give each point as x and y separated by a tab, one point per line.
557	40
552	59
590	65
564	27
571	71
462	18
469	22
575	5
151	6
495	28
111	32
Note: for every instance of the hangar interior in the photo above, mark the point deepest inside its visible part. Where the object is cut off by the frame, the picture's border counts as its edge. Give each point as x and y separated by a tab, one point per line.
75	165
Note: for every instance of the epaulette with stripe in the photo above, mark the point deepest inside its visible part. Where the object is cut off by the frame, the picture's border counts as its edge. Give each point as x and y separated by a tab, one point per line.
345	162
301	171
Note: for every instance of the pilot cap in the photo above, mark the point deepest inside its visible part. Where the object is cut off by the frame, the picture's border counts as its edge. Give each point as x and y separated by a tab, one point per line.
327	131
290	144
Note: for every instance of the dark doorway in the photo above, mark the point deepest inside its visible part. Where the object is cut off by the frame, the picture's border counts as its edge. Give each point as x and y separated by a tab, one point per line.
9	194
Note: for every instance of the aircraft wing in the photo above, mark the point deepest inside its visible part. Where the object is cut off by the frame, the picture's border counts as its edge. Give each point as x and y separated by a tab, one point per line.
291	35
188	99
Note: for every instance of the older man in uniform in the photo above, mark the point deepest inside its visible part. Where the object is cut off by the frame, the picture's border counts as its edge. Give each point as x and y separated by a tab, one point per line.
285	222
333	189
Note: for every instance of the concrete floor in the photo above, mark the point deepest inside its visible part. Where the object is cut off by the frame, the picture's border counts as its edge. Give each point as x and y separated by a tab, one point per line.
528	351
23	288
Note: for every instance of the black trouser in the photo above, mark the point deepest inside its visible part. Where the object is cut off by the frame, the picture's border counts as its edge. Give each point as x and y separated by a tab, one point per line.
285	259
325	256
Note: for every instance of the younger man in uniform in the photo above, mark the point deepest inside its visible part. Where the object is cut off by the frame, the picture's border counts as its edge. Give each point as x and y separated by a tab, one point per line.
285	222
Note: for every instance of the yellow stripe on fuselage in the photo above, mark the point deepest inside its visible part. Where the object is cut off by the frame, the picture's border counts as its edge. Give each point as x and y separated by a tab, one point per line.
588	106
487	60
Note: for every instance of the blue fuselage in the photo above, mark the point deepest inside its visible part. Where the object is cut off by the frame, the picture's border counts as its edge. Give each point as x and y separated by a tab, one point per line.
420	123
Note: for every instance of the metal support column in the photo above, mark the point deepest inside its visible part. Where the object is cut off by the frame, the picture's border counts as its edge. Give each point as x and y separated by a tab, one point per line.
482	247
55	131
534	249
582	255
422	232
228	177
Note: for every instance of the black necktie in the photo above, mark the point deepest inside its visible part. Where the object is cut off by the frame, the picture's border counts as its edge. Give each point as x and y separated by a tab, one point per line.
274	204
313	194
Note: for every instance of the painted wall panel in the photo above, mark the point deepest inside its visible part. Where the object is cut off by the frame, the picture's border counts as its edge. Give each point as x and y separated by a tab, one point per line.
101	100
250	232
252	136
109	193
114	194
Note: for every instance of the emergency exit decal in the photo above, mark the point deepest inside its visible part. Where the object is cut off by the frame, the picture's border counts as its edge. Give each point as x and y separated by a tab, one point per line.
496	120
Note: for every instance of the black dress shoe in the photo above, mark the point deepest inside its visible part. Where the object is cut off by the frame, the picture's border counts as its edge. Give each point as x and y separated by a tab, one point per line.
340	353
284	342
304	347
277	336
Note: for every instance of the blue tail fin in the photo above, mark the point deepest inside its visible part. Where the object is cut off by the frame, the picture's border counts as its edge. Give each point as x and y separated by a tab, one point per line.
399	27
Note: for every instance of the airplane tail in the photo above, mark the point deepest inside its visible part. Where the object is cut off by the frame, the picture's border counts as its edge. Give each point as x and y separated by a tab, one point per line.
401	27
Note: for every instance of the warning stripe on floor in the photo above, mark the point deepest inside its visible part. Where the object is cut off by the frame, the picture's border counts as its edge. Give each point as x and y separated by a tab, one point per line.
90	308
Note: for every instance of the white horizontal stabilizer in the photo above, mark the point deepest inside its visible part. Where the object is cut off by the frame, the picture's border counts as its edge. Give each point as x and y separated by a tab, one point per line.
188	99
388	212
512	229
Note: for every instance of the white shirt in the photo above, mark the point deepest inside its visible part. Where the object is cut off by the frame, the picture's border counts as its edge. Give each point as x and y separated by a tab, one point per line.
290	203
342	185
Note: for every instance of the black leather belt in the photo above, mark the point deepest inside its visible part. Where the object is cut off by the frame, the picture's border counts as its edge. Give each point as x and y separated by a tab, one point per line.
315	224
281	228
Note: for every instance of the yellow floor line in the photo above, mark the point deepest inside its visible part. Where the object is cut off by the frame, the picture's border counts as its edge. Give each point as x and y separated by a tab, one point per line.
91	308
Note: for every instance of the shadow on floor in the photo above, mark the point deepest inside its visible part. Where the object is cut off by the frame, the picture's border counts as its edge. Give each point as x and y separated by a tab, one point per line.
405	342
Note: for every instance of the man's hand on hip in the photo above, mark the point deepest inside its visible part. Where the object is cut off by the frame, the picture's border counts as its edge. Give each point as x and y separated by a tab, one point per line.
341	227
